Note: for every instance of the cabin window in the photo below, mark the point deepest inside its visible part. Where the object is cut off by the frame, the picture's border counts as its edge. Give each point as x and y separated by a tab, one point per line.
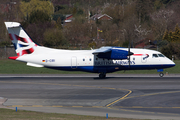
154	55
160	55
90	59
83	59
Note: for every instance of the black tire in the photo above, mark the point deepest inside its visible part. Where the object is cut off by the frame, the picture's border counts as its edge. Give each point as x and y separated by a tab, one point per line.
102	75
161	74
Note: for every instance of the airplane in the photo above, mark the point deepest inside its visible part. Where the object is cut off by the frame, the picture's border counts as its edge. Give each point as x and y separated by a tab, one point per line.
103	60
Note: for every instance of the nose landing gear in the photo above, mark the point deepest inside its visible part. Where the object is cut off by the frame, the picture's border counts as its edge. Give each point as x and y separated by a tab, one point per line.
161	74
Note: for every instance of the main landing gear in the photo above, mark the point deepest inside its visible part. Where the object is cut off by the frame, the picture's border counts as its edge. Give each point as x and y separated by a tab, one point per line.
102	75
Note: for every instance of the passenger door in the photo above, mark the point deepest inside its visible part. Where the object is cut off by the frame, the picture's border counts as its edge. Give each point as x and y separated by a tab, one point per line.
74	62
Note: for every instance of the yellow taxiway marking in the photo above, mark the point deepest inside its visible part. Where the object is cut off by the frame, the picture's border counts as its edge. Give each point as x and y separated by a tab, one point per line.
129	92
125	97
97	106
77	106
56	106
16	106
37	105
161	93
146	107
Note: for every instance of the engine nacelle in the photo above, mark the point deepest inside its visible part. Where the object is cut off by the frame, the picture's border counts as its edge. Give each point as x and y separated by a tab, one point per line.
115	54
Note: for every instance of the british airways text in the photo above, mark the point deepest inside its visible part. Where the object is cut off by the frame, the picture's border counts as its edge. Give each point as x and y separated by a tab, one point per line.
114	62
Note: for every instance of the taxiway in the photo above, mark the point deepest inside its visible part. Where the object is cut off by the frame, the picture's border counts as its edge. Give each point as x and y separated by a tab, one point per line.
127	96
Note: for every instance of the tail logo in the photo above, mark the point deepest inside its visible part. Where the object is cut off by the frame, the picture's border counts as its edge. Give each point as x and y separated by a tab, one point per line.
22	45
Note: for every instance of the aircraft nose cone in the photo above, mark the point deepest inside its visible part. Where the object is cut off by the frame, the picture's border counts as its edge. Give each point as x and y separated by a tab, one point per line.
172	64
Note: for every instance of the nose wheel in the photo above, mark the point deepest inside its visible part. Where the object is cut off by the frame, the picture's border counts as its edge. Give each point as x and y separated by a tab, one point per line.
102	75
161	74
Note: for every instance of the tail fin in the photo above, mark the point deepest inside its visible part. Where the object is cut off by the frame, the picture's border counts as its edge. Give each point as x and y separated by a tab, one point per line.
21	41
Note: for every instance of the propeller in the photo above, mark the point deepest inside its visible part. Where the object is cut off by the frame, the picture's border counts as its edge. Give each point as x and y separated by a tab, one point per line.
129	54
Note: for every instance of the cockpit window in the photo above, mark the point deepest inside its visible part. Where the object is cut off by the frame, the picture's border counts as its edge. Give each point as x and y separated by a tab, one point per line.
154	55
160	55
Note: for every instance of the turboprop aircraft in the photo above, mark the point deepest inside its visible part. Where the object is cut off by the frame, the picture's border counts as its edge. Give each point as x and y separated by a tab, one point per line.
103	60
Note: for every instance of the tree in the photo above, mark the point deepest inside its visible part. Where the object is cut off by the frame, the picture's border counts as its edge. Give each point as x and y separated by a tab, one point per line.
38	16
143	8
36	31
34	5
157	4
54	38
166	35
172	36
120	12
166	1
171	49
4	36
58	23
160	21
177	30
79	33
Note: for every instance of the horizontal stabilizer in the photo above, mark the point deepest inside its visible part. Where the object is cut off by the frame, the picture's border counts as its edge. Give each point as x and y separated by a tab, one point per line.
13	57
34	65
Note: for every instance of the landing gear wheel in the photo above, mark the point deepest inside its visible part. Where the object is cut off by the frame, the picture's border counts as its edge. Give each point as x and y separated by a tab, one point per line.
102	75
161	74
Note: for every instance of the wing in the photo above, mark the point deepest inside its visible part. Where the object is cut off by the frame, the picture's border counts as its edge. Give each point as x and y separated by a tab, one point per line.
115	53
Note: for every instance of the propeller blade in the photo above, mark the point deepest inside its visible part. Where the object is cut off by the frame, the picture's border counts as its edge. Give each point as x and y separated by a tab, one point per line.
129	54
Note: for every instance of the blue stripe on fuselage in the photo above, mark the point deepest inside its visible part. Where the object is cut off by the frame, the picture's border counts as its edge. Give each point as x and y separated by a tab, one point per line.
108	69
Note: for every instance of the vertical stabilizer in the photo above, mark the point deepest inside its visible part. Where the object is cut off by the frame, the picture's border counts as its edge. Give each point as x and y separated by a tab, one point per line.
21	41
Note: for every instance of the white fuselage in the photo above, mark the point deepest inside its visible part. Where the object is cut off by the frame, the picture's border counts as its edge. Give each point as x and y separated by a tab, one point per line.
84	60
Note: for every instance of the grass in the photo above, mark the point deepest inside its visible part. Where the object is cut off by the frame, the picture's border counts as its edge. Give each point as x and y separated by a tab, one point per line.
15	67
7	114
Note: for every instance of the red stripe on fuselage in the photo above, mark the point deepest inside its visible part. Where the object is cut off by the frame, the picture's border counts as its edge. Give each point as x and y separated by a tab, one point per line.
139	54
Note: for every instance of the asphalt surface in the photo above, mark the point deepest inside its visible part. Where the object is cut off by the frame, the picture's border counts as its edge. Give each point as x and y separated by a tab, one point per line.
127	96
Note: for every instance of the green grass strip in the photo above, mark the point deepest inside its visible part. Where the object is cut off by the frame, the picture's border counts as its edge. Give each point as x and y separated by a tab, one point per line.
7	114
